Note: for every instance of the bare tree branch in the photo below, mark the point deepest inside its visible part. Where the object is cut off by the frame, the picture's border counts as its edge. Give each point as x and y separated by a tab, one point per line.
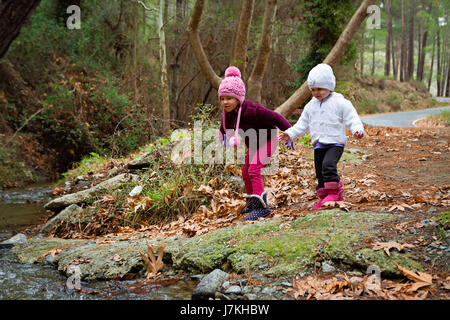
238	54
197	47
265	47
336	53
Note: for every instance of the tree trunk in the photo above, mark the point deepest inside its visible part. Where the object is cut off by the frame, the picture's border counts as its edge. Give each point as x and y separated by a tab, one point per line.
336	53
373	55
387	64
447	89
444	75
194	39
164	77
238	55
419	46
135	45
430	76
395	60
410	70
13	15
175	66
403	44
361	53
422	56
438	63
255	81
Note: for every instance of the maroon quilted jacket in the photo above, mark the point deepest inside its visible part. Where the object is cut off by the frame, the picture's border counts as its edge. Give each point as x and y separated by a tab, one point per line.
255	116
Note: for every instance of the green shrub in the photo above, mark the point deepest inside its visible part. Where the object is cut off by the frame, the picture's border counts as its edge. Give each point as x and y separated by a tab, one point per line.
394	101
443	221
367	105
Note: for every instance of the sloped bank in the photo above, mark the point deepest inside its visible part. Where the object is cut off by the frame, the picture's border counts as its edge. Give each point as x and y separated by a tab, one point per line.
273	248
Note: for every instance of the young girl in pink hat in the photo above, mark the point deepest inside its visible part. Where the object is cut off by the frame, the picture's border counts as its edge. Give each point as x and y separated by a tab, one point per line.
325	117
245	117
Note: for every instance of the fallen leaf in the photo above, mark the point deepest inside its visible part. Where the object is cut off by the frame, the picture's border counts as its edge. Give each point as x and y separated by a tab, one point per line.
396	207
386	246
416	276
152	264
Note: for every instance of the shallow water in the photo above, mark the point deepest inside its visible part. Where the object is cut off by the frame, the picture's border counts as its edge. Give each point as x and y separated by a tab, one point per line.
23	208
35	282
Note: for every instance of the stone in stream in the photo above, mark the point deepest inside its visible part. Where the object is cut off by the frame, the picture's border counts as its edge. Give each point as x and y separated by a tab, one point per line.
209	285
67	214
17	239
81	196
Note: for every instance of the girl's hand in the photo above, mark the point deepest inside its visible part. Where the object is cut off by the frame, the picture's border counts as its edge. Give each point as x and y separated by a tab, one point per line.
359	134
284	137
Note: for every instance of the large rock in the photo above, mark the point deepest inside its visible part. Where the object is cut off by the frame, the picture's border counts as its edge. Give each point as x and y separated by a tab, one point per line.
209	285
101	259
66	214
140	162
81	196
17	239
278	248
273	247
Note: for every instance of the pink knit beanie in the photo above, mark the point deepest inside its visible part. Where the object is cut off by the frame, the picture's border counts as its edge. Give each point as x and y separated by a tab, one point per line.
232	85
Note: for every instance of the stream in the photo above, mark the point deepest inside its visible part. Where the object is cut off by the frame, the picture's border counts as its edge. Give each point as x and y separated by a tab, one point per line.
23	208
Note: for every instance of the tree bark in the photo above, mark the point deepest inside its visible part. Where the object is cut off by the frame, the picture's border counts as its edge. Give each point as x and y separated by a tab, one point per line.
336	53
395	60
164	76
373	55
13	16
361	54
412	12
422	56
447	88
175	66
438	63
197	47
430	76
254	85
387	64
403	44
238	55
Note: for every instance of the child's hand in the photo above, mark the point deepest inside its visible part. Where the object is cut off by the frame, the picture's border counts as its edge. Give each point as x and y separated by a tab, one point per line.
359	134
284	137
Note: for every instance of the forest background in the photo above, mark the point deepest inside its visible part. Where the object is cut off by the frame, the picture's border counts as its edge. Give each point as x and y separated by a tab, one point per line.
129	75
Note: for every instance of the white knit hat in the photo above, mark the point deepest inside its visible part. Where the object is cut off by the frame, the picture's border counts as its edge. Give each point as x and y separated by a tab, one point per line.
321	76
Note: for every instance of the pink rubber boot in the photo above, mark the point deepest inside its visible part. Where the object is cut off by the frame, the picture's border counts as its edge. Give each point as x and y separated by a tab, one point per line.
341	191
321	193
333	190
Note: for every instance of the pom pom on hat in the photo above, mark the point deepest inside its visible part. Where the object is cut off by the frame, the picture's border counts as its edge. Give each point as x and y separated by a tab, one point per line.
232	72
232	85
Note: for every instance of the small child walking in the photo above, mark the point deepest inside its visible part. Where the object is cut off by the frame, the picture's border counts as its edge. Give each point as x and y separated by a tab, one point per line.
325	117
255	123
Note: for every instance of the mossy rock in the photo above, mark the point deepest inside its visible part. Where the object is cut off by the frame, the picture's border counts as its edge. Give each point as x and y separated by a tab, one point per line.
273	247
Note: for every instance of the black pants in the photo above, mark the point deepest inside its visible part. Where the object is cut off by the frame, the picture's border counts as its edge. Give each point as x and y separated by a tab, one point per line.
325	161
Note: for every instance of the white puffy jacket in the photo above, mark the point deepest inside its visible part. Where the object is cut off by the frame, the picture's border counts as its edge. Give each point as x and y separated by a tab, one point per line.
326	120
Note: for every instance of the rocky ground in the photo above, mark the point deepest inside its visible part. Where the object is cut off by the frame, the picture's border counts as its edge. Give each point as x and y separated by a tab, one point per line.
394	220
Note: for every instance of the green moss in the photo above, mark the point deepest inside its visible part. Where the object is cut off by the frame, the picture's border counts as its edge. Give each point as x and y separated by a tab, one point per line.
274	247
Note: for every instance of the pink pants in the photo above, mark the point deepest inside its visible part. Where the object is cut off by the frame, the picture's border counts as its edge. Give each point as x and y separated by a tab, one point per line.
254	162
